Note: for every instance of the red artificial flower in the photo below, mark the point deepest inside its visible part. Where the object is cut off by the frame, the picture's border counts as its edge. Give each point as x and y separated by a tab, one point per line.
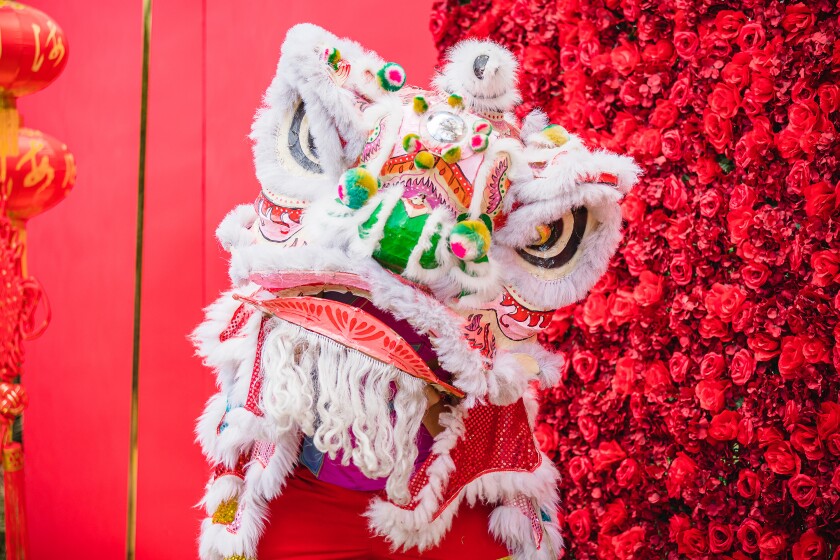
798	18
828	419
711	394
580	524
579	467
820	200
810	547
626	544
724	101
585	365
792	359
764	347
609	453
546	437
806	440
741	367
803	489
724	426
749	534
780	458
681	471
749	485
771	543
826	265
692	542
588	428
614	515
678	366
721	537
628	473
718	130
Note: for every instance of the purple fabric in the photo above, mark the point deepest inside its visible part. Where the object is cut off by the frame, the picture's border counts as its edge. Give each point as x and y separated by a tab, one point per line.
350	477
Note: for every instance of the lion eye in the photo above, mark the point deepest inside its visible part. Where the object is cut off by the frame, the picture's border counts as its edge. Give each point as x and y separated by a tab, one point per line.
558	241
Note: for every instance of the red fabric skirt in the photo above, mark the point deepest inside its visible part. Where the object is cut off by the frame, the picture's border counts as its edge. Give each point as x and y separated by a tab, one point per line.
316	520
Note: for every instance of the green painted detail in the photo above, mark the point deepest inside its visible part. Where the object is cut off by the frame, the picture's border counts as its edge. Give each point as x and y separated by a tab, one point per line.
399	238
428	259
364	229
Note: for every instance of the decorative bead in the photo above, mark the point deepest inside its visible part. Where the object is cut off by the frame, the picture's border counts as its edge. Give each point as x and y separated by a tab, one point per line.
455	101
420	105
479	142
226	512
356	186
444	126
544	232
469	240
452	155
482	126
391	77
411	143
238	557
556	134
424	160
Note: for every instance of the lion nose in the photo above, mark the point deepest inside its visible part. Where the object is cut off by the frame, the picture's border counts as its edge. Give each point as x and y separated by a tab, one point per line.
479	64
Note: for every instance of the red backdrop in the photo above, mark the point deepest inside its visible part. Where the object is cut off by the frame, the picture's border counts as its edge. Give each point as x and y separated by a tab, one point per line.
700	415
210	62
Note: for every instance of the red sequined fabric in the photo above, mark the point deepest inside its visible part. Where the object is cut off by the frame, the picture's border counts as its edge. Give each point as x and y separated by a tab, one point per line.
526	506
496	439
238	470
252	403
240	317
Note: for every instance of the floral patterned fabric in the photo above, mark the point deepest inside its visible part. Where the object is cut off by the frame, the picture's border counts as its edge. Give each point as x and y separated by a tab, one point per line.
699	411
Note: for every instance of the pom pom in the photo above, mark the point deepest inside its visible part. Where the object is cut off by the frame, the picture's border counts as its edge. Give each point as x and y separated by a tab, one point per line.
333	57
483	126
470	240
391	77
420	105
411	143
356	186
556	134
424	160
455	101
479	142
452	155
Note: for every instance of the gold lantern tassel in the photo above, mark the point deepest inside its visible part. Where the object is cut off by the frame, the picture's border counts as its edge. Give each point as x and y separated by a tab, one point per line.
9	125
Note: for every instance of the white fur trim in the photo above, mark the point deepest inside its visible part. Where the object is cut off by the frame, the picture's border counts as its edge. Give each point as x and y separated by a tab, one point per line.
495	91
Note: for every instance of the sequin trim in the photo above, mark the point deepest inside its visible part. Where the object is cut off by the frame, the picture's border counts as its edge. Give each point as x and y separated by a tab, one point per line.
262	452
233	526
257	374
496	439
226	512
234	327
238	470
526	506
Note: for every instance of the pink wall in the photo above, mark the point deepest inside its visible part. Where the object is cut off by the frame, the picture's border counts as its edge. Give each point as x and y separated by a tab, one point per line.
210	62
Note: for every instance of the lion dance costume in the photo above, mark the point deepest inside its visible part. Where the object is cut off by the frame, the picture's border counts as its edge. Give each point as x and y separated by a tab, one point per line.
378	346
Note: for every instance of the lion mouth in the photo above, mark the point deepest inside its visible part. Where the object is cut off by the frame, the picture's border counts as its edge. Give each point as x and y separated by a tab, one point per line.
337	306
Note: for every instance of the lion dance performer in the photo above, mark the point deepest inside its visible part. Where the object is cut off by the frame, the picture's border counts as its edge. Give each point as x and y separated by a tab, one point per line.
376	357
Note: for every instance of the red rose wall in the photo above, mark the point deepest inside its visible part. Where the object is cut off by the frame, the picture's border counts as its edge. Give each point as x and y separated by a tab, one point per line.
210	61
699	415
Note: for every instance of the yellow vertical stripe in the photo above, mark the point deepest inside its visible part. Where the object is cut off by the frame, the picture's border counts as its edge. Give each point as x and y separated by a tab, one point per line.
131	532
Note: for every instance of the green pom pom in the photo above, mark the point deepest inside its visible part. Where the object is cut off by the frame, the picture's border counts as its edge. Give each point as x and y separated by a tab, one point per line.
479	142
470	240
424	160
411	143
452	155
482	126
333	58
455	101
391	77
356	187
420	105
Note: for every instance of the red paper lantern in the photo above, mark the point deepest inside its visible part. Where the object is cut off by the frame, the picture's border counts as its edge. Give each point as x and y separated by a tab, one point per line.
39	177
34	49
